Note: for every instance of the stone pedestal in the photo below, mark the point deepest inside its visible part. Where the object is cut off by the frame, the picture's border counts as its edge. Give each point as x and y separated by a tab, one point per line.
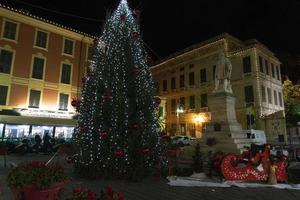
223	129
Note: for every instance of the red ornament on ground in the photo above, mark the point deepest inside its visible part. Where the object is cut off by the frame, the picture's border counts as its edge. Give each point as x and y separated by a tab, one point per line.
118	153
134	34
136	70
103	134
145	151
123	18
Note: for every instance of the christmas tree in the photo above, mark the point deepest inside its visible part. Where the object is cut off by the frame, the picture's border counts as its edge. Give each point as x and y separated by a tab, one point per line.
118	130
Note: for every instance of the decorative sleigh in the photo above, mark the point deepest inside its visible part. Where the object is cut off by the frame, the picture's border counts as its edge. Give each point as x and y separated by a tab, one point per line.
253	165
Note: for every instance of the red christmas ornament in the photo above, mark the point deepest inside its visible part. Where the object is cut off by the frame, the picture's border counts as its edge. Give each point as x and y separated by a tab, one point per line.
136	12
106	97
145	151
134	34
103	134
118	153
136	70
135	125
123	18
157	100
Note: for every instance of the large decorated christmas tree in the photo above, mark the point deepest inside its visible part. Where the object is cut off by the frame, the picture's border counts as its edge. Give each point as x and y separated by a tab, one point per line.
117	133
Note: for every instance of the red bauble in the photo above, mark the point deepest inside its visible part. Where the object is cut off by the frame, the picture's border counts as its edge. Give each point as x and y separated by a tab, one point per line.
136	12
123	18
103	134
157	100
145	151
135	125
74	102
118	153
106	97
136	70
134	34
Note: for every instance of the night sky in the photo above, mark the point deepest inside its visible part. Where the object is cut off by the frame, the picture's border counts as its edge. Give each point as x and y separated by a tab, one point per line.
168	26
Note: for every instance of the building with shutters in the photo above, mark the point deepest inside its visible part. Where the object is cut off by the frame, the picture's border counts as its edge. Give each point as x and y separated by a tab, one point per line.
185	79
41	68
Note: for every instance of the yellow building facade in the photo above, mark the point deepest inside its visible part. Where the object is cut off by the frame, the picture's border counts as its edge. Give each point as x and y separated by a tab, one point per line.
186	78
41	68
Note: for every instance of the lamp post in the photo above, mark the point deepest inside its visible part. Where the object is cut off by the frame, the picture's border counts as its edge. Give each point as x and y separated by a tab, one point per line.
178	110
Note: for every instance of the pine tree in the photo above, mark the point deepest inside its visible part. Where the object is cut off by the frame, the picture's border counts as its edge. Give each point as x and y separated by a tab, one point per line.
117	133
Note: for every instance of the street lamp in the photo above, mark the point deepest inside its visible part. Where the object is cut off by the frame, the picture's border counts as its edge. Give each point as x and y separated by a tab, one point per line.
178	110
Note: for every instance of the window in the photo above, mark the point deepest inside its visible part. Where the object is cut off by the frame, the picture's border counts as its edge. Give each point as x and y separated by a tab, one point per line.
214	72
10	30
5	61
65	74
192	102
165	85
249	98
280	138
263	94
269	95
34	99
68	46
38	68
203	100
261	66
275	98
247	64
280	99
181	69
181	81
278	72
41	39
273	70
173	83
173	105
63	101
191	78
191	66
182	102
3	94
202	75
267	67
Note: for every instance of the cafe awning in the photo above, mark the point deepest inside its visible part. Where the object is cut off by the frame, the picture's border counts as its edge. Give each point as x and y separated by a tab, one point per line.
29	120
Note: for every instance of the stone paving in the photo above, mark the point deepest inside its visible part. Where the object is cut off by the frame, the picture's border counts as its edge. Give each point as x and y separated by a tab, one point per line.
150	189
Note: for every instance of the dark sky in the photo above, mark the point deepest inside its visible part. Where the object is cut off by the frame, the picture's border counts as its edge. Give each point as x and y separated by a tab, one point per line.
169	26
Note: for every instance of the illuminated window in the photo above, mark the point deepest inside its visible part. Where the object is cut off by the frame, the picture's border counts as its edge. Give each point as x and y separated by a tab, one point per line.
38	68
34	99
68	46
3	94
41	39
65	73
63	101
10	30
5	61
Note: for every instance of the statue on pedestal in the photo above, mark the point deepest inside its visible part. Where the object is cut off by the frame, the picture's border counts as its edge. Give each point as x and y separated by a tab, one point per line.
223	74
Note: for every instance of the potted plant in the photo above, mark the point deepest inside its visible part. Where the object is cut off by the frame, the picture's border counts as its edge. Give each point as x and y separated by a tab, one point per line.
36	180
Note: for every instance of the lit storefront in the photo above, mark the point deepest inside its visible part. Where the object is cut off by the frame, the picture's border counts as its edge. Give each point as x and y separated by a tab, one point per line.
17	127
